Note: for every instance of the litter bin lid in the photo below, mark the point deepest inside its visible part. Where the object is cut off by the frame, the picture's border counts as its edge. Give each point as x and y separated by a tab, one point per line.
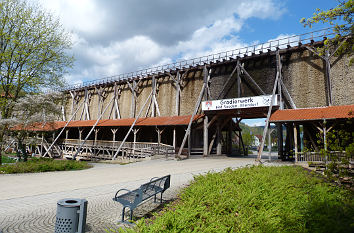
70	202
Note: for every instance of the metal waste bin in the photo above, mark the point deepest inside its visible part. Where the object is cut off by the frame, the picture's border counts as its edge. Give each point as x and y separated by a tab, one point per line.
71	215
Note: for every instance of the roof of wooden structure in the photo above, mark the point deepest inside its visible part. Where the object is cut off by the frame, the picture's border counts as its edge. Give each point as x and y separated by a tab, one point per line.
145	121
311	114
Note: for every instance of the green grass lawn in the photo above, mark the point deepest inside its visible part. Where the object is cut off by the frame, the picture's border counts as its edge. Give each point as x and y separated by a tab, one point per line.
43	165
256	199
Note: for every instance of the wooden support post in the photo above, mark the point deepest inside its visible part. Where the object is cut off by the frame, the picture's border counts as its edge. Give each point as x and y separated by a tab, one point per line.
245	153
42	144
325	139
223	91
67	134
260	151
135	131
292	104
85	110
93	127
178	93
194	113
114	131
115	112
229	138
252	81
158	131
328	76
74	103
174	138
280	139
295	143
327	60
155	105
189	144
131	127
96	134
218	138
80	134
133	89
101	97
270	144
238	79
205	136
62	130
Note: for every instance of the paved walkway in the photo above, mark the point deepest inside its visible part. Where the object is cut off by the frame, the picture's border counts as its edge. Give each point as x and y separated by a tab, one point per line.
28	201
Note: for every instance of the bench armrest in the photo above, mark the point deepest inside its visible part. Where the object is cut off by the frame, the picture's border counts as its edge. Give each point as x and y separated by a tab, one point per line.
115	196
154	178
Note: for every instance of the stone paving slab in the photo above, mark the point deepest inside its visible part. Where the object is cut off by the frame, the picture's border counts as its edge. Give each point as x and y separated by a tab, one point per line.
30	204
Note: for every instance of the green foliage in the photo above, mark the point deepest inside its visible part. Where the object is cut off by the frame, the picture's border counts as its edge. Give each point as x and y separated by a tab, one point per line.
338	149
43	165
341	17
6	159
33	53
256	199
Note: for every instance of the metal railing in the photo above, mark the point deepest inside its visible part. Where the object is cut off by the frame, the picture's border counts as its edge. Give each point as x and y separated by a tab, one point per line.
319	157
208	59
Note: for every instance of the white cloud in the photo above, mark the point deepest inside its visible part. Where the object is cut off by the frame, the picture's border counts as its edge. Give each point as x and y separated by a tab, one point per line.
115	36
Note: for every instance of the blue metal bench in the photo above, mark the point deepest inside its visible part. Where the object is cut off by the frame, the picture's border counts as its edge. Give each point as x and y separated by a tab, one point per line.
133	198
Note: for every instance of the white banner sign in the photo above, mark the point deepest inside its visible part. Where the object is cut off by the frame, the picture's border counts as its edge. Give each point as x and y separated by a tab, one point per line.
245	102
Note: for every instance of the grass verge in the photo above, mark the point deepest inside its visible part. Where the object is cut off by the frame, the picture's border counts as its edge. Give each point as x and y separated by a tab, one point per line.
43	165
256	199
7	159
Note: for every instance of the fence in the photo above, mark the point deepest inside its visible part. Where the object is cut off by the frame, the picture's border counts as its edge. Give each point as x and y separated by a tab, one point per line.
227	55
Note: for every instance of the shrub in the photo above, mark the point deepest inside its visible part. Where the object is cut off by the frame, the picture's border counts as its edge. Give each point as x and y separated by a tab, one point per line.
256	199
43	165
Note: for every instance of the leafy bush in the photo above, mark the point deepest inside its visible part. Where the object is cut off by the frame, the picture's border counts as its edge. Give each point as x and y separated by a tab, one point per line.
6	159
43	165
256	199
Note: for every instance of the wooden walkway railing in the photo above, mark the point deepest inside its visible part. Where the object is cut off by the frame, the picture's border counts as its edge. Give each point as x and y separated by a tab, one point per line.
102	149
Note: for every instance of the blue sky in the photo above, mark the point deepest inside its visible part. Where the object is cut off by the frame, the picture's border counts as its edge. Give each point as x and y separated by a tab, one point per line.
112	37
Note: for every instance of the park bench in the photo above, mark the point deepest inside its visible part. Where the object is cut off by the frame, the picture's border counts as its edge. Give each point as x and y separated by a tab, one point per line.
135	197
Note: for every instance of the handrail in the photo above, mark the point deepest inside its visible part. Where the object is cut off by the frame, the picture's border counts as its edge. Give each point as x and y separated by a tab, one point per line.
271	45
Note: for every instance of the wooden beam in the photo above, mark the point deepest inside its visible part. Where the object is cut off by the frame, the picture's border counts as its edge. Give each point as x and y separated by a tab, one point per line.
93	127
252	81
205	136
192	117
131	127
292	104
238	79
295	142
62	130
260	151
222	94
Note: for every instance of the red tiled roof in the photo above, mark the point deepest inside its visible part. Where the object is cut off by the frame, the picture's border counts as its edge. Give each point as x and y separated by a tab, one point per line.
148	121
306	114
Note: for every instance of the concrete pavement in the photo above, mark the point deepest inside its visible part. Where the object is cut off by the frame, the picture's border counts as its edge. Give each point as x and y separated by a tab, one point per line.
28	201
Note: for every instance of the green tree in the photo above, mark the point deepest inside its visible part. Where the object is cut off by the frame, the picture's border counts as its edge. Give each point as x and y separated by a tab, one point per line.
33	53
341	17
